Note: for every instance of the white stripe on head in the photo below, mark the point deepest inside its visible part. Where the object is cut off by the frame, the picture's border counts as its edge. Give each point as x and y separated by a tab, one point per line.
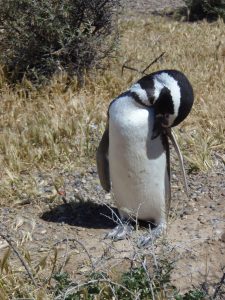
137	89
165	80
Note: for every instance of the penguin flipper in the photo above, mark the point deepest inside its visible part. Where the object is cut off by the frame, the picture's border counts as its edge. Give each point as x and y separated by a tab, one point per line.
103	161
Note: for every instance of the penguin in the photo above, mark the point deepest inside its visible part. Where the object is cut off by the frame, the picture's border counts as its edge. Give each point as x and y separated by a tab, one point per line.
133	156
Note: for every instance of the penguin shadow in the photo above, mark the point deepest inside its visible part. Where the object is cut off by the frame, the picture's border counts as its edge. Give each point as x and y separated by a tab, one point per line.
83	214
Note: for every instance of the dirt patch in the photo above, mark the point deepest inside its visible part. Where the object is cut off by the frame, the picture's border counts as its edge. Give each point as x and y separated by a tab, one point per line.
75	220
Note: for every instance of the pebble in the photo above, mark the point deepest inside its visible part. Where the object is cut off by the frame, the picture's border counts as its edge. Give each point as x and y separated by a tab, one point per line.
212	206
223	237
202	220
107	197
3	244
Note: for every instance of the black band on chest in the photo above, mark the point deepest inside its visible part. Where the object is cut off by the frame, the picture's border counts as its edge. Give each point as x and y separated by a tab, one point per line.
137	98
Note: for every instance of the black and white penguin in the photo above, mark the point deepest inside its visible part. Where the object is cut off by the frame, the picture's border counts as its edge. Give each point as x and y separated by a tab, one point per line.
133	154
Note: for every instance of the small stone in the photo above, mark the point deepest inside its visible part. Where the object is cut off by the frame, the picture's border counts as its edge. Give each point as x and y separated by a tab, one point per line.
19	221
184	217
3	244
107	197
187	211
212	207
201	219
84	270
72	198
223	237
42	249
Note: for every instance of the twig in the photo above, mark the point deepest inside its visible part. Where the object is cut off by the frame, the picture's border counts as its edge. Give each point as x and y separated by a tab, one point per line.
143	263
54	265
65	257
129	68
222	281
117	220
153	62
81	244
8	239
138	71
74	288
153	251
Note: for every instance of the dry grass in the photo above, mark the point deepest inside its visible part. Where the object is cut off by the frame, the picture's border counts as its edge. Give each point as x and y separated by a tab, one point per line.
55	125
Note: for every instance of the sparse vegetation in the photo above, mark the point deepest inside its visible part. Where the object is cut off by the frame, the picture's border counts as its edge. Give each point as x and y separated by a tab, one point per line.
137	283
39	38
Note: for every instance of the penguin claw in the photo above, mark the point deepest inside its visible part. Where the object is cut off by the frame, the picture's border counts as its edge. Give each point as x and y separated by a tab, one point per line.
146	240
120	232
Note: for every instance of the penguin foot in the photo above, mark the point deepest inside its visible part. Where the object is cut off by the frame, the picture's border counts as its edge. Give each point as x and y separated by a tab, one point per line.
120	232
146	240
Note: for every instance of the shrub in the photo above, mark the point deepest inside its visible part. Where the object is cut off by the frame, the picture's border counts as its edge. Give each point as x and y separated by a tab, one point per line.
38	37
205	9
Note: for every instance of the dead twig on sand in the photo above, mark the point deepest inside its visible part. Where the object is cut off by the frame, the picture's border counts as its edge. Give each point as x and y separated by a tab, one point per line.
219	285
79	243
9	240
144	266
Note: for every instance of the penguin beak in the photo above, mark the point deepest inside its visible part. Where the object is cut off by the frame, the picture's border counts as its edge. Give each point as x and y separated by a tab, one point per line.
158	128
165	120
160	125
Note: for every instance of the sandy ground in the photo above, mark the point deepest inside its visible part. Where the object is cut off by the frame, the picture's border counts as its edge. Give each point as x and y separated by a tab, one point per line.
75	220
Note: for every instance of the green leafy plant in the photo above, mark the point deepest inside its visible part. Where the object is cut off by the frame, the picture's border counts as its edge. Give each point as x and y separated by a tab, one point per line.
192	295
62	280
133	284
39	38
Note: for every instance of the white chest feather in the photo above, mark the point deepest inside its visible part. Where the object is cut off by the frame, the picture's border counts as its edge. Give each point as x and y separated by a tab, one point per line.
138	166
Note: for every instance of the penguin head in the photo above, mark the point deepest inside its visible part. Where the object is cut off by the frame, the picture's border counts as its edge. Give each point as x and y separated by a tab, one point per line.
162	103
166	109
170	94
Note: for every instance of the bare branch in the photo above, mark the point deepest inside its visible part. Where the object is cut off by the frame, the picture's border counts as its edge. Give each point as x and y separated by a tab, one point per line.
218	288
81	244
77	287
8	239
153	62
138	71
144	266
129	68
